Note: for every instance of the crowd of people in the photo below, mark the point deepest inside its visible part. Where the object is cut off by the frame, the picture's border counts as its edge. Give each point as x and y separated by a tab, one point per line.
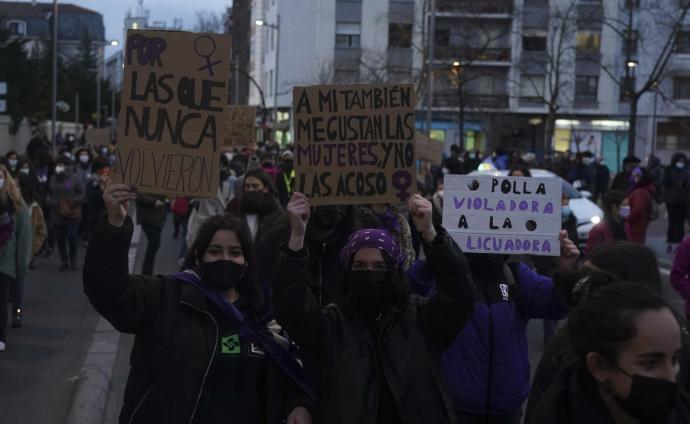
287	312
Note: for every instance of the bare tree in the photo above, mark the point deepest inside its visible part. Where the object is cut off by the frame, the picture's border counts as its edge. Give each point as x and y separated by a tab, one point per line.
546	76
207	21
655	52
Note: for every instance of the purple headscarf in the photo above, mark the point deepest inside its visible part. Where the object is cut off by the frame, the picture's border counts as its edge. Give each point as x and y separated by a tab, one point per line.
378	239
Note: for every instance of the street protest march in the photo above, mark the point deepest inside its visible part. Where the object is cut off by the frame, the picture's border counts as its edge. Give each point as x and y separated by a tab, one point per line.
355	144
511	215
174	112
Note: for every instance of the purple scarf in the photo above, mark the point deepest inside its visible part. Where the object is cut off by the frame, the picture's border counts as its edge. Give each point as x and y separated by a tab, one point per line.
253	331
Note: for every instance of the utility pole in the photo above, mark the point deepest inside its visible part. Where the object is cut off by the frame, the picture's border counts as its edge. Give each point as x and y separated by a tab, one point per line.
55	79
430	67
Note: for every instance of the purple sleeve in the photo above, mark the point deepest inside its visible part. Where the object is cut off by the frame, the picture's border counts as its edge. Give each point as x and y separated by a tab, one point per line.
421	280
679	271
539	297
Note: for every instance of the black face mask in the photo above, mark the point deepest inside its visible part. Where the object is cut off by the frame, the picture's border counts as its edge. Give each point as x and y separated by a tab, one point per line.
372	289
651	399
255	202
223	275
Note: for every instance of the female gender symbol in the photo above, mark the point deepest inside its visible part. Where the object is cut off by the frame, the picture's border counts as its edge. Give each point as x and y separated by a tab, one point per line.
204	46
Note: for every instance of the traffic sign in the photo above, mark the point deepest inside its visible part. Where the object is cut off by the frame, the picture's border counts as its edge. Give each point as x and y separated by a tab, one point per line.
3	88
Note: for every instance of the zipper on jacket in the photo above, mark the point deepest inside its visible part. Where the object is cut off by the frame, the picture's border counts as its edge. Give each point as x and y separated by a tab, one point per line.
141	402
213	354
491	365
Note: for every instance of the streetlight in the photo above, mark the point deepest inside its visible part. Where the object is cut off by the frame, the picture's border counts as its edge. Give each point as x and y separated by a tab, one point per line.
655	87
53	99
98	81
631	64
276	28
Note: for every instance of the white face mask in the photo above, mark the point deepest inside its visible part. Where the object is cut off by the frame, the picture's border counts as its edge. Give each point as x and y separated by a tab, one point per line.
59	170
624	211
25	171
680	165
83	158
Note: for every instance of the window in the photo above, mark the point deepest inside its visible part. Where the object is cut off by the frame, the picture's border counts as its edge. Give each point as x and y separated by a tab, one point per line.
532	87
681	88
400	35
347	35
534	43
630	40
588	41
625	88
442	37
682	42
16	27
586	88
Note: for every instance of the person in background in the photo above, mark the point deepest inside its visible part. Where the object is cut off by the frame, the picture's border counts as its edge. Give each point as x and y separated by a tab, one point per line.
387	217
151	210
12	162
425	179
285	180
676	196
453	163
472	161
246	160
16	253
65	197
602	180
377	348
627	342
622	181
656	176
612	227
258	205
640	201
180	211
83	171
100	170
680	273
269	166
38	223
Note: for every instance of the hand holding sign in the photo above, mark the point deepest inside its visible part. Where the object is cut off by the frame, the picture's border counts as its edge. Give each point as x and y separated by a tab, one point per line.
299	211
116	198
420	211
569	252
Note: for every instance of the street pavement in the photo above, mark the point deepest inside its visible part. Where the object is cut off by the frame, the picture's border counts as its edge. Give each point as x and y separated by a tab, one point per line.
44	358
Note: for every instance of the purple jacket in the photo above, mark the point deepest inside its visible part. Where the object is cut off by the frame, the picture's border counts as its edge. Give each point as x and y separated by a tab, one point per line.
487	367
680	278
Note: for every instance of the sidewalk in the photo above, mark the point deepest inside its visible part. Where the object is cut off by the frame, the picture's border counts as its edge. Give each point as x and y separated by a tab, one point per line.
166	263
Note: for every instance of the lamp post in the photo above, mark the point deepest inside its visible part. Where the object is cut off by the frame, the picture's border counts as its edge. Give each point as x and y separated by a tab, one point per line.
655	87
101	60
276	28
53	97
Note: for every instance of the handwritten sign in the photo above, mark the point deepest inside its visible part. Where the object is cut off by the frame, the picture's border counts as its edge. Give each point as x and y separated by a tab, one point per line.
428	149
507	215
241	126
173	115
355	144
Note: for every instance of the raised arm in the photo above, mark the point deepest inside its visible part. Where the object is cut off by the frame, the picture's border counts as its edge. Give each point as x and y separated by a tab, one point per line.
296	308
127	301
447	312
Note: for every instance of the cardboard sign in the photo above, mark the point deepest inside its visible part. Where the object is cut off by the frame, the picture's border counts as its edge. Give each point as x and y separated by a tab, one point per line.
240	126
428	149
172	123
355	144
506	215
98	136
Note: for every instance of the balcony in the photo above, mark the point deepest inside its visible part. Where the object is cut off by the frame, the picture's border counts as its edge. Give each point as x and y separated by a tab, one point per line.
475	9
472	101
500	55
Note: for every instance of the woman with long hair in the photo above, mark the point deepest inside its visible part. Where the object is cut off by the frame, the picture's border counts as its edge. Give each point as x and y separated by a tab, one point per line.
258	204
206	346
612	227
15	256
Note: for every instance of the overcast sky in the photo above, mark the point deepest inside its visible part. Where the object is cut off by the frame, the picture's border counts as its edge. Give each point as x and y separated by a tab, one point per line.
114	12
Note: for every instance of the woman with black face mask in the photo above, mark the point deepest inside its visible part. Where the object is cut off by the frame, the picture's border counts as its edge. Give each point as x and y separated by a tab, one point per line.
206	348
627	343
377	349
258	204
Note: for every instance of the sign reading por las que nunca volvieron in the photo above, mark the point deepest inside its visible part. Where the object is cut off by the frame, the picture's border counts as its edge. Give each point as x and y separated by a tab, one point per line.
506	215
355	144
173	117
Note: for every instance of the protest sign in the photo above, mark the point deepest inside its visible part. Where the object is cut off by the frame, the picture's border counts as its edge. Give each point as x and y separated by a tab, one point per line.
173	115
98	136
355	144
507	215
240	126
428	149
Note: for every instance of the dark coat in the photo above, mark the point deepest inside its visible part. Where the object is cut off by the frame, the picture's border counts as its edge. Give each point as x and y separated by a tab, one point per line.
176	335
147	211
410	345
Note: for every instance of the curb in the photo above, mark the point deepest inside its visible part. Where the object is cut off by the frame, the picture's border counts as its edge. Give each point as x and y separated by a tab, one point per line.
93	384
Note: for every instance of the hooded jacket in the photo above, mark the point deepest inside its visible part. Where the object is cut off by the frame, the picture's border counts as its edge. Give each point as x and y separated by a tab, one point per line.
411	339
487	366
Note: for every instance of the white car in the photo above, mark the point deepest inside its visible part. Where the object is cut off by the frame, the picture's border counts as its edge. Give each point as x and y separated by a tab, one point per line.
586	212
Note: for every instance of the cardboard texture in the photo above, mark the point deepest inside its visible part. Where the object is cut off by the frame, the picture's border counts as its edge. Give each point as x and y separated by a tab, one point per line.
428	149
174	113
241	126
508	215
355	144
98	136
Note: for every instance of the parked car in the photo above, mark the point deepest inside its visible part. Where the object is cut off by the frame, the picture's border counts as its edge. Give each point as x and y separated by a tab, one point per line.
587	213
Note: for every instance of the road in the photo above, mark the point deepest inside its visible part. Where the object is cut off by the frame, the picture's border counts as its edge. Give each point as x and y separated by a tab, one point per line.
43	358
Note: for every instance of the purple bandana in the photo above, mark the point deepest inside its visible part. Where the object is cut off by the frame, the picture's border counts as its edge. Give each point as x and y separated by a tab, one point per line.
369	237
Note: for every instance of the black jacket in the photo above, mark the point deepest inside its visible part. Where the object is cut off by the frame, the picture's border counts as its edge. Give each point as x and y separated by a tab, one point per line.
176	336
573	399
412	338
